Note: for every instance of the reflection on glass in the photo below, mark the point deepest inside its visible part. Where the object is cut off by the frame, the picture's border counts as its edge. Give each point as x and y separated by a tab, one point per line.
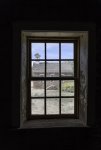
52	106
67	68
67	50
52	50
37	50
67	88
38	68
37	88
52	88
67	106
37	106
52	68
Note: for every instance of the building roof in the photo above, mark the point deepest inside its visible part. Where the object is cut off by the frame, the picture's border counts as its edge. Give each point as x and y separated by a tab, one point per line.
66	67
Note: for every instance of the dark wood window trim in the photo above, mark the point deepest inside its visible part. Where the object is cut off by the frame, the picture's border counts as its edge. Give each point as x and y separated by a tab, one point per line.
75	42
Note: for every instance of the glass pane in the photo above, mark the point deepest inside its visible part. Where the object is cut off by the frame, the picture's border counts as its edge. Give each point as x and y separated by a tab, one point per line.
38	68
52	68
37	88
37	50
67	106
67	68
37	106
67	51
52	88
52	50
52	106
67	88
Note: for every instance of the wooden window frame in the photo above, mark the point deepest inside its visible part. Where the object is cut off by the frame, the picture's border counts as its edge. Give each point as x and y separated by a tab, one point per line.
76	78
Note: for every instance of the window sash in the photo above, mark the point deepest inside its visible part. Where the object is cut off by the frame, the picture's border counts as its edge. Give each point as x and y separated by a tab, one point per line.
60	78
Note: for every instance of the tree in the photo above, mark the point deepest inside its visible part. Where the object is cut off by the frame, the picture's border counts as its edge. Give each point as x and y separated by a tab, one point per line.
37	55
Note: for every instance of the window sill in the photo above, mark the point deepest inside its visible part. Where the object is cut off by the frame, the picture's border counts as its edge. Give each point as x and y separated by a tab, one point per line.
52	123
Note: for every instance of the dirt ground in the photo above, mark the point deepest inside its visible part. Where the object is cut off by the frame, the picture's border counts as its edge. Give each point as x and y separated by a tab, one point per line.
52	104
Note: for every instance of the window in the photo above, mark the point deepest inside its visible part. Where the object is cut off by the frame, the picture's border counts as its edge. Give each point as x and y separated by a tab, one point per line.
82	60
53	77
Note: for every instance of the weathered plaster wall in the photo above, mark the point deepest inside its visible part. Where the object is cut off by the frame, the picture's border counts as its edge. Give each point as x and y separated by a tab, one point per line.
83	77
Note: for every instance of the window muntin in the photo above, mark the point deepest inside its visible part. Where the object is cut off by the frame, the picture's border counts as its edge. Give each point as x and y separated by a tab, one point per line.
53	89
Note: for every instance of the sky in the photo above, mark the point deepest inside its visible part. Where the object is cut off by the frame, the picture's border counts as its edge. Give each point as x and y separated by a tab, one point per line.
52	50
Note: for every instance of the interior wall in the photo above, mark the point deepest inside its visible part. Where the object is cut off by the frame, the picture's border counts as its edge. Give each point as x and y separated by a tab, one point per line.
12	11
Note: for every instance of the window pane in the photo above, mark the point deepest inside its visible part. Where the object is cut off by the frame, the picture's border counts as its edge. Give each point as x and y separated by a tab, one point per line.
67	106
67	88
37	106
67	68
52	88
52	50
52	68
38	68
67	50
37	88
52	106
37	50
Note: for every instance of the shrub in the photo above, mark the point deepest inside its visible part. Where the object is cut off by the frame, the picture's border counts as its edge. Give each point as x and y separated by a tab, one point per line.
68	86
